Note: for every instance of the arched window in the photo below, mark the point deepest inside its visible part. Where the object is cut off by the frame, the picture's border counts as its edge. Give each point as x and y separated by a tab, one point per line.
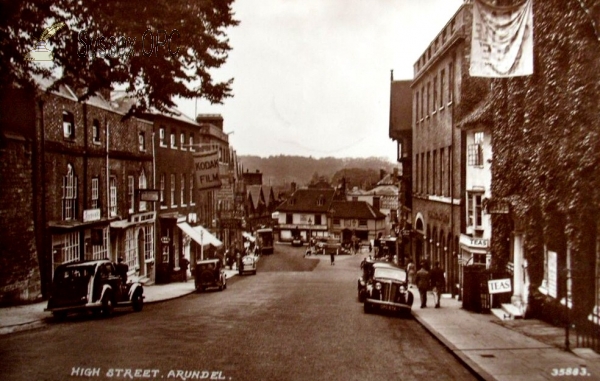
69	194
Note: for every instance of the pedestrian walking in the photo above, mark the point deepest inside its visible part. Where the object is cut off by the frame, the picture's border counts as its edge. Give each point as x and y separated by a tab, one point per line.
438	281
184	264
422	280
332	256
122	269
411	269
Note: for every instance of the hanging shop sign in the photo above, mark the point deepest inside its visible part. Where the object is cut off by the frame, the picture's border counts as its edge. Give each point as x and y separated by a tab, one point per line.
206	170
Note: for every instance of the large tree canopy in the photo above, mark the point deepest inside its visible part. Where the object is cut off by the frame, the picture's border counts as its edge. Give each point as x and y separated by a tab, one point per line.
156	49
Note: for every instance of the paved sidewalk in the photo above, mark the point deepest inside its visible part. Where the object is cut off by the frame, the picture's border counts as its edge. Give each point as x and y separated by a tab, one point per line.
496	352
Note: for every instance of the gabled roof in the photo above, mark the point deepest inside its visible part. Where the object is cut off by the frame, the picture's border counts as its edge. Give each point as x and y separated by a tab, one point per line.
384	190
254	192
308	200
355	210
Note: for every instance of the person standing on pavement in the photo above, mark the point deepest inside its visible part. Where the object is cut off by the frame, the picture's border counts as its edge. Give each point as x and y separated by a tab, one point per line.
422	280
437	282
332	255
411	270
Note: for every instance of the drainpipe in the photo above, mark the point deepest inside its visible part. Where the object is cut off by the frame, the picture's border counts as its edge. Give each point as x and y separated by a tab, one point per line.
108	206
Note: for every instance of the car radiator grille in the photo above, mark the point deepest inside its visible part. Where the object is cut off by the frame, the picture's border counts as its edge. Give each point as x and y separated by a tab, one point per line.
390	293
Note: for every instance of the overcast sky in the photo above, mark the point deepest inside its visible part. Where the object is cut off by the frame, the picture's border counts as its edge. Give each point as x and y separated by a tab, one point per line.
312	77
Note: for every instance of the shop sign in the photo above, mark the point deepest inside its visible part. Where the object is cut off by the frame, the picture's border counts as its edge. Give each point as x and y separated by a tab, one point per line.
480	243
91	215
152	195
165	240
498	286
232	223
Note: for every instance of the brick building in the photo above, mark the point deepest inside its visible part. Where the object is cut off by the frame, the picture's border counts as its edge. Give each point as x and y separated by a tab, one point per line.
438	180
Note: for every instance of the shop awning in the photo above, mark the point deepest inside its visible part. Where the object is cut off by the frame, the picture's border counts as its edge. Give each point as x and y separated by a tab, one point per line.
200	235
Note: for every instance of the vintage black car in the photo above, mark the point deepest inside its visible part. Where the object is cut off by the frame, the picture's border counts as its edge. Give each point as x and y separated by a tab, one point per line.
366	275
209	274
248	263
388	289
92	286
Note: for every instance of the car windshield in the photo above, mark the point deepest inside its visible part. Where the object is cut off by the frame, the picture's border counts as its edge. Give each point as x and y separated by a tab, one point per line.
390	273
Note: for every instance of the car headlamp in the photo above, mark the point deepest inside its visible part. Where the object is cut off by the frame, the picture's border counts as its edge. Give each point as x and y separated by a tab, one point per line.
378	286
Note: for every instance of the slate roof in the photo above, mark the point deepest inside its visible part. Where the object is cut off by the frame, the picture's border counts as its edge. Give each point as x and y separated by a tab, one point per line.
307	200
355	210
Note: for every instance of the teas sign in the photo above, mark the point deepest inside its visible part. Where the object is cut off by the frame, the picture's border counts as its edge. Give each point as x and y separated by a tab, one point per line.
206	170
498	286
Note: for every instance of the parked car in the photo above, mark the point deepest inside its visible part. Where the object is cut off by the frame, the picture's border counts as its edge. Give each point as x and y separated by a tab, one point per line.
321	243
210	274
248	263
366	276
388	289
92	286
297	241
332	246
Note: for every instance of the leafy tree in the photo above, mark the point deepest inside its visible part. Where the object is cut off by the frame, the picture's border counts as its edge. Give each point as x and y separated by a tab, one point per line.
155	49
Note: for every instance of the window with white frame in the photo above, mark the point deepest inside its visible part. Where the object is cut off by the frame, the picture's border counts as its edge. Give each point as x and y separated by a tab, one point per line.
95	193
69	195
475	151
163	203
475	210
192	190
143	184
68	125
182	189
113	196
149	243
142	141
130	255
362	223
65	248
182	141
173	203
442	85
130	193
96	131
173	140
162	136
192	142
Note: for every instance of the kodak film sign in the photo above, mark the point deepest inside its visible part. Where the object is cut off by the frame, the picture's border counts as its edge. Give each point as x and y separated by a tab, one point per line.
206	170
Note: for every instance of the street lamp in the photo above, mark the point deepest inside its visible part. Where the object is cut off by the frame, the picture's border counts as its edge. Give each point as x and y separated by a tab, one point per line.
309	231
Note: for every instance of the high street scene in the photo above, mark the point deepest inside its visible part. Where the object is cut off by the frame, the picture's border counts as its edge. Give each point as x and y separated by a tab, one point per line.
232	190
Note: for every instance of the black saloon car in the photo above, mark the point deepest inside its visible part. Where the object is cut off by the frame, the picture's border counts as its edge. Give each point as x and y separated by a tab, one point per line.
209	274
388	289
92	286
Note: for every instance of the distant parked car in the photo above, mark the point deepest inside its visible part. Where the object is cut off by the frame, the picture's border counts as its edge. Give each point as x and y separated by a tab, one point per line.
297	241
388	289
248	264
210	274
92	286
332	245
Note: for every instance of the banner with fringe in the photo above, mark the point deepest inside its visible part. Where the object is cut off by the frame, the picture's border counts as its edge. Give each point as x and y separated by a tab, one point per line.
502	40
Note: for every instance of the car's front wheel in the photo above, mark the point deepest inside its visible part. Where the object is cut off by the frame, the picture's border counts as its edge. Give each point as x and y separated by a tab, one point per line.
107	305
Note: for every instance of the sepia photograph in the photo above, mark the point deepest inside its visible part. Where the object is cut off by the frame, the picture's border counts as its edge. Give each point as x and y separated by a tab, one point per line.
286	190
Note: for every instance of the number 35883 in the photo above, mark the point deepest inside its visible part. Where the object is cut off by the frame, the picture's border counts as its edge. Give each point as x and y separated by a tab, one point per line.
570	372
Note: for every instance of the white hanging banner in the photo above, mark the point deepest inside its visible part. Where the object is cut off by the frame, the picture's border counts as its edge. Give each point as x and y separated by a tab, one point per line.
502	40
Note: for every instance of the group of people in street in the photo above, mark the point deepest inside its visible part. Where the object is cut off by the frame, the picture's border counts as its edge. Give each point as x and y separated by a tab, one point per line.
425	280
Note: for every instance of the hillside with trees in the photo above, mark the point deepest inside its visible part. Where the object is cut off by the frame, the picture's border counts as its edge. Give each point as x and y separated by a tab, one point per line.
282	170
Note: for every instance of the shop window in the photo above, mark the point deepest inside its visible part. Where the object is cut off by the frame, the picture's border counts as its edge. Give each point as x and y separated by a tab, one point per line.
149	244
65	248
